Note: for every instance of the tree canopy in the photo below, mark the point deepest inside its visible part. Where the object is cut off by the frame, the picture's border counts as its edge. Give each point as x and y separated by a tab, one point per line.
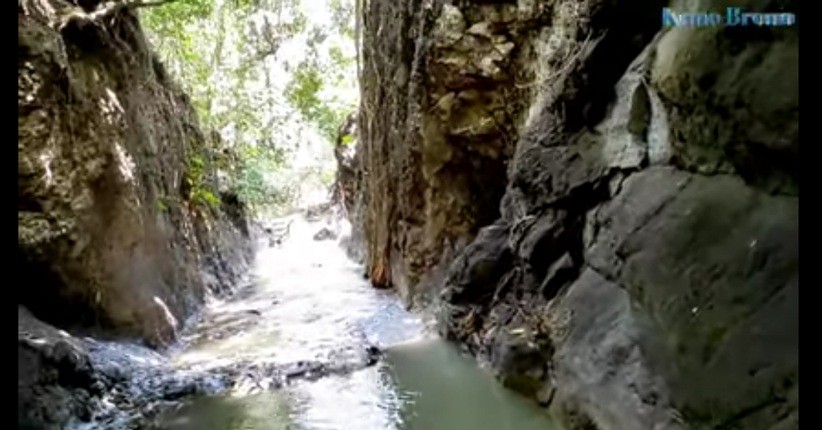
275	79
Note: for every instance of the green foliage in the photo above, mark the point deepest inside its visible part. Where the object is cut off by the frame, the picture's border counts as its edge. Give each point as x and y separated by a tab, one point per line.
253	187
204	197
343	17
177	12
162	206
338	57
303	92
200	193
225	55
327	177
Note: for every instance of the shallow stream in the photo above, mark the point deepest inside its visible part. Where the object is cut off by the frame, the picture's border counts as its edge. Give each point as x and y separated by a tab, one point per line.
309	302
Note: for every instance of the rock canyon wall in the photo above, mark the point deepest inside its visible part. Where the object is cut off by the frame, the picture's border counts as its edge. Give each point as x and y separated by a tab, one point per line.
603	209
123	226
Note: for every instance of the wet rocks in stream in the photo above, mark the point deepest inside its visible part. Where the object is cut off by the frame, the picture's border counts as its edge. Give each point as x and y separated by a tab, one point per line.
66	381
325	233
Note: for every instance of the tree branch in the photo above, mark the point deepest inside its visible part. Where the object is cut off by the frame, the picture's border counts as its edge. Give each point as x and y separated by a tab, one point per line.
257	57
110	8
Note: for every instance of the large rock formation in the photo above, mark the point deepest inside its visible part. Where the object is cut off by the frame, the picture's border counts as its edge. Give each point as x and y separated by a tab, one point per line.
638	264
121	224
444	91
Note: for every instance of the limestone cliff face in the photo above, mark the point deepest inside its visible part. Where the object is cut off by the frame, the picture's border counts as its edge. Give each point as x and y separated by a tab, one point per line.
445	87
638	189
116	228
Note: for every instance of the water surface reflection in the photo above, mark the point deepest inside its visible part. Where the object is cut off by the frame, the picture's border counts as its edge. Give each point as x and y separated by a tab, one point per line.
310	302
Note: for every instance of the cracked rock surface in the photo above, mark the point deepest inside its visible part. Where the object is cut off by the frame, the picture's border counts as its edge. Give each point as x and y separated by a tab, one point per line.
642	269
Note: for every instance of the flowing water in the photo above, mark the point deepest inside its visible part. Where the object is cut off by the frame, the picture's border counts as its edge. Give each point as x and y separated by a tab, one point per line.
310	303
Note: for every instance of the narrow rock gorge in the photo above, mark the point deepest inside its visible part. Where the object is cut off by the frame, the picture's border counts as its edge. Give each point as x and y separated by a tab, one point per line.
603	209
568	214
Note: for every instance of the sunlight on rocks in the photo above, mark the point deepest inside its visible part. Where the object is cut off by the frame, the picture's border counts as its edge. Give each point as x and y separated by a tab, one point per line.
124	162
45	161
